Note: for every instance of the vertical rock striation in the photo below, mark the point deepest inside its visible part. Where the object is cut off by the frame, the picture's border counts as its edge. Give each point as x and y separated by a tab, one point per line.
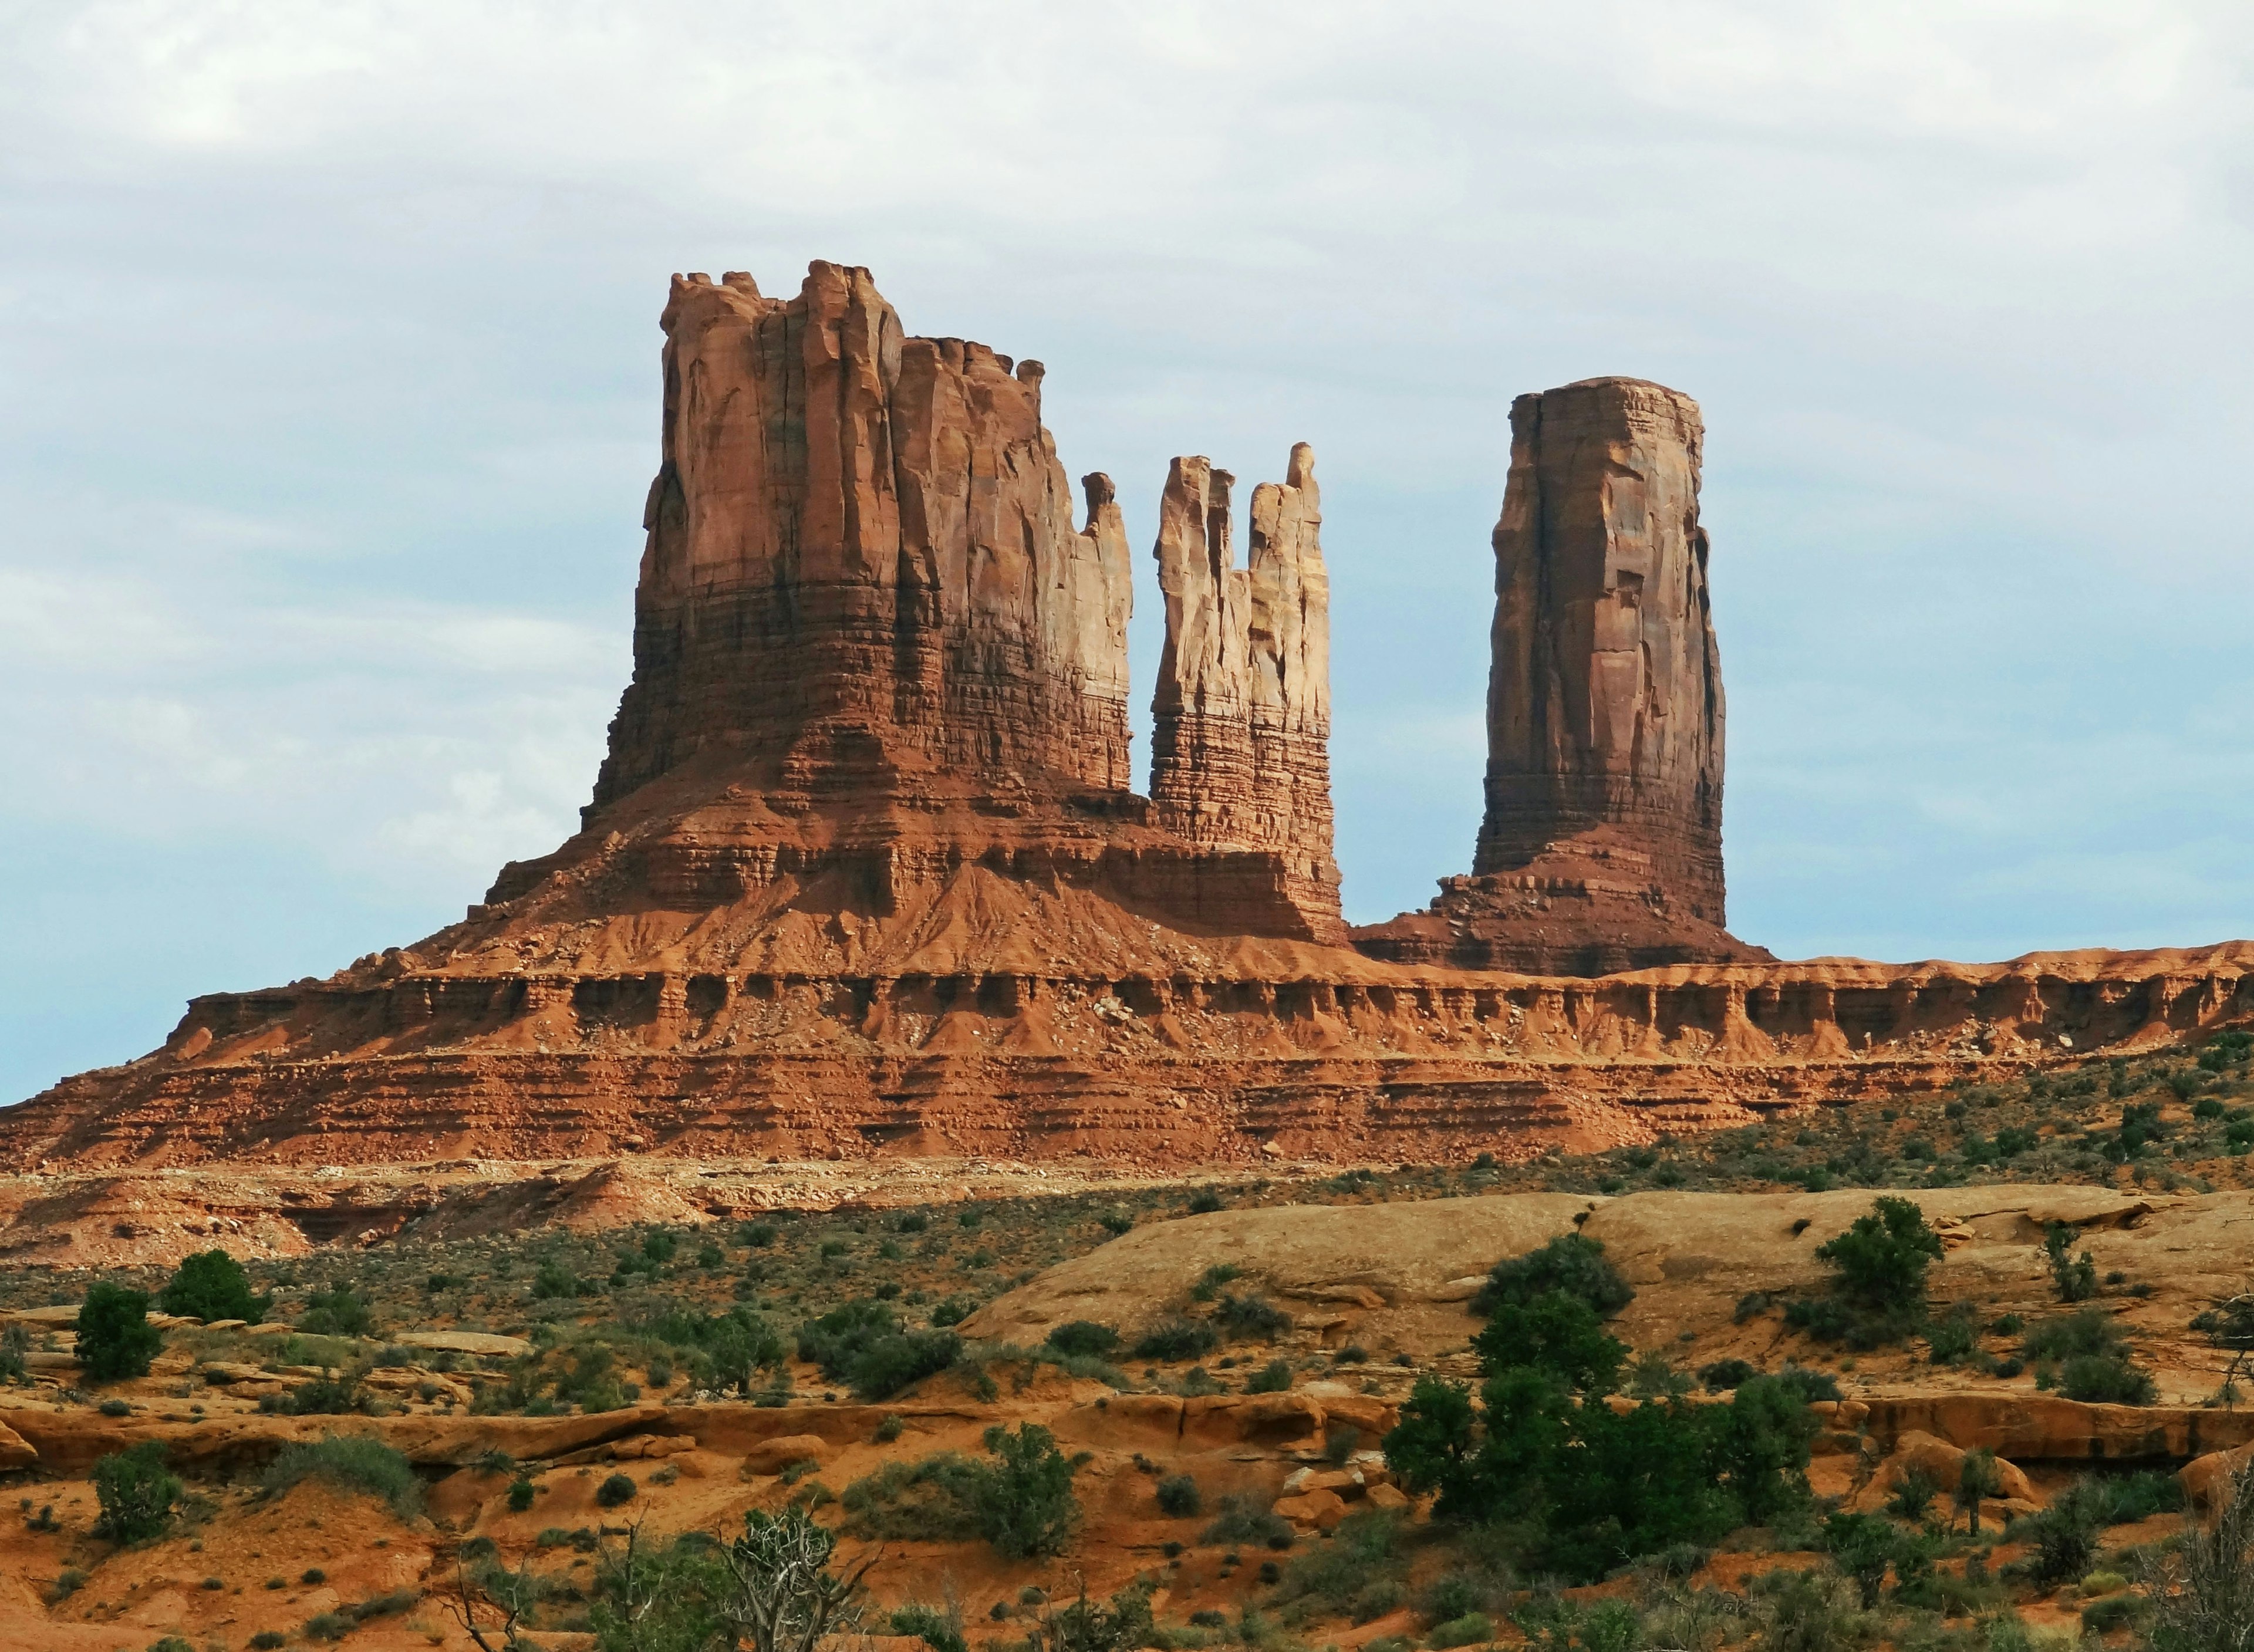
1601	844
1241	716
860	553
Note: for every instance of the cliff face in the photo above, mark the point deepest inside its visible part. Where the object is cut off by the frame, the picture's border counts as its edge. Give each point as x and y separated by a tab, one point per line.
1240	719
860	550
1601	845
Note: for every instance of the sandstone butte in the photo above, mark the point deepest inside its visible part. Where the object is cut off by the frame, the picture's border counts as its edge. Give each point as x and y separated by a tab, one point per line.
863	874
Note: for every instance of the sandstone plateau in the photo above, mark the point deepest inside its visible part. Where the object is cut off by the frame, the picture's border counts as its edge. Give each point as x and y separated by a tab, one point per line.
864	873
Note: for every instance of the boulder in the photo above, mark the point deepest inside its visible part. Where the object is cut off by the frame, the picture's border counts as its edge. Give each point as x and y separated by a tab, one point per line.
771	1456
2205	1479
1942	1464
465	1342
1321	1509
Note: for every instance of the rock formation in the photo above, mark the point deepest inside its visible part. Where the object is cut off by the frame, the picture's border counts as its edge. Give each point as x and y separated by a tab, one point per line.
1240	719
863	875
872	653
860	554
1601	845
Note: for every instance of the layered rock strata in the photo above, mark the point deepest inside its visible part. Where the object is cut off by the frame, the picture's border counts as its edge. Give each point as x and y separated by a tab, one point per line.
1601	847
1240	717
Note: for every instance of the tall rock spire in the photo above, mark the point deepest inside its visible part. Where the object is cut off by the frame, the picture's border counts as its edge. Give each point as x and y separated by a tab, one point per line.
1601	847
1241	716
861	549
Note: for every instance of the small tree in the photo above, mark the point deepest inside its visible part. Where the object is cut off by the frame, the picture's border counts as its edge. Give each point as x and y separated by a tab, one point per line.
1977	1477
212	1285
1881	1260
114	1337
135	1492
1022	1501
782	1596
2075	1279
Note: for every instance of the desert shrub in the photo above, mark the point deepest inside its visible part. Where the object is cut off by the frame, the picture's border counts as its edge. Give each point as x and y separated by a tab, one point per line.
1723	1375
135	1494
115	1338
1955	1337
833	1340
2106	1379
1023	1502
2112	1612
1812	1611
328	1396
352	1462
2067	1335
2074	1278
1174	1339
1594	1486
328	1626
1178	1498
1272	1378
1472	1629
267	1640
337	1311
212	1285
1243	1317
891	1364
725	1350
1205	1202
1084	1337
1244	1520
1568	1262
616	1490
1360	1570
1913	1496
1210	1282
2062	1539
593	1382
1877	1288
925	1502
519	1495
940	1629
2138	1496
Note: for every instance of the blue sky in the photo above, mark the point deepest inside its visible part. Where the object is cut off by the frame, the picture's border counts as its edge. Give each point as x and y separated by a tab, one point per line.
328	397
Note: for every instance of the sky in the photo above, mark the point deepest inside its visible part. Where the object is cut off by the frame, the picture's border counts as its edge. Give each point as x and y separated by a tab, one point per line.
329	398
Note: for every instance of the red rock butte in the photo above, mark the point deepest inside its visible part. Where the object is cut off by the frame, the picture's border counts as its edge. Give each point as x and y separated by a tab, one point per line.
864	872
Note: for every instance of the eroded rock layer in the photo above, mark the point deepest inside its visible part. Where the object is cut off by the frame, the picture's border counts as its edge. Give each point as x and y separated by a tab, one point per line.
1240	719
1600	849
974	1025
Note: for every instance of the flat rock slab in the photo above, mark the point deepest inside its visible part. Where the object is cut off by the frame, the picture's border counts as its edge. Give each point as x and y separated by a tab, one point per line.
465	1342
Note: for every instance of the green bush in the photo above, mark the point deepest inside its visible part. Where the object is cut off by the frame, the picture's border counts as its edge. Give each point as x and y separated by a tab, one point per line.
1723	1375
1243	1317
2107	1379
940	1630
1084	1337
1472	1629
1275	1377
337	1311
925	1502
212	1285
329	1396
1568	1262
617	1489
2108	1613
1877	1288
135	1494
115	1338
2062	1539
351	1462
1175	1339
891	1364
1023	1504
1178	1498
2074	1278
2065	1336
519	1495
